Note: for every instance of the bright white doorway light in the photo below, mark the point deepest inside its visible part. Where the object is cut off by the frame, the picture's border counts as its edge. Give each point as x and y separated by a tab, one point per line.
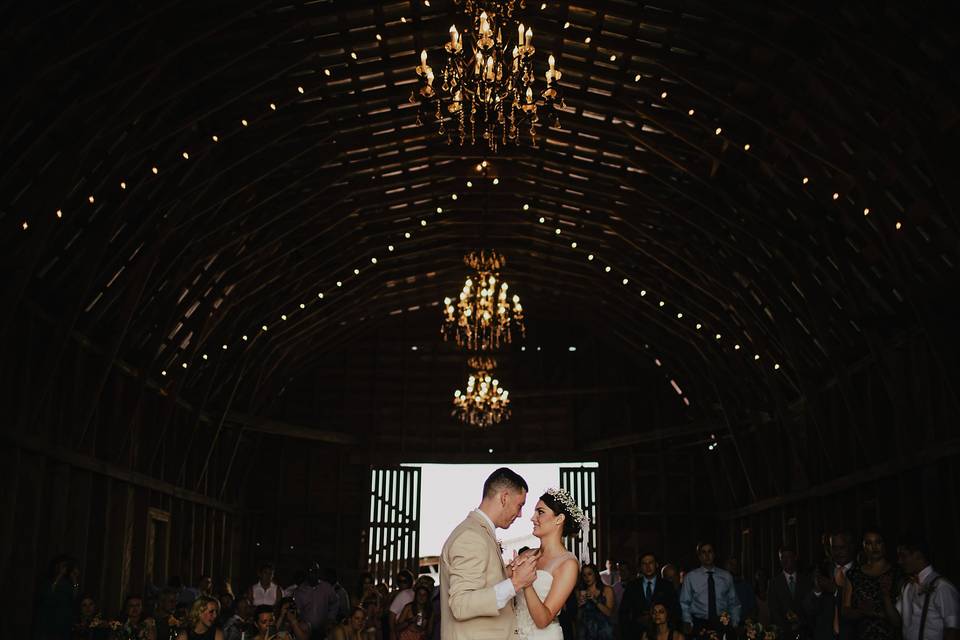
448	492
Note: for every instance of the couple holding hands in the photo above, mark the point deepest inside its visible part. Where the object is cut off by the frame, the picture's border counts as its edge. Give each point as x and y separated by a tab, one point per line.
481	598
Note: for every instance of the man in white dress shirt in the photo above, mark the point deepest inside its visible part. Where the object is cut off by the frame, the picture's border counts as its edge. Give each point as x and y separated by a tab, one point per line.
929	605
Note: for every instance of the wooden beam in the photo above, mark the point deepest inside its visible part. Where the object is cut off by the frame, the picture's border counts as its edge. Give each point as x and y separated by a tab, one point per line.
279	428
945	449
89	463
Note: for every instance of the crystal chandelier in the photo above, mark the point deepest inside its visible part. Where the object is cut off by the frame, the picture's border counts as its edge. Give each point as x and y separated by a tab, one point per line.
485	402
483	317
486	86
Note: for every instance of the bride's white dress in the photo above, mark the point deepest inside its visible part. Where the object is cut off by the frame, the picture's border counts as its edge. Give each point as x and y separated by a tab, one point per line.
526	628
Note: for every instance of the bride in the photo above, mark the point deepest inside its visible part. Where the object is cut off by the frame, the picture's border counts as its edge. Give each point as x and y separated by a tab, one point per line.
556	515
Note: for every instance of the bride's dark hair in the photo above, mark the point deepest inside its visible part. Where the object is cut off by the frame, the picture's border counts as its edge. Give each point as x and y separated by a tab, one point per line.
570	526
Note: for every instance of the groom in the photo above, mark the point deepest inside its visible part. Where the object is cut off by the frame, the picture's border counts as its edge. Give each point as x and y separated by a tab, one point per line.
476	589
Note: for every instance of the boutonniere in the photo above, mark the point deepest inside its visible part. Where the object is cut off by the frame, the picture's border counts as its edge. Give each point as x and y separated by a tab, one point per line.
500	546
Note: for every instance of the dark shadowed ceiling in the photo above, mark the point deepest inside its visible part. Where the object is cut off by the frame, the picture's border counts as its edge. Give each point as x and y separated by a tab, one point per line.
743	201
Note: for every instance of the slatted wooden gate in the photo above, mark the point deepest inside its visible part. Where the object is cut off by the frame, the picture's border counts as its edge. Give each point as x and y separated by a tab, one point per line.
394	534
581	484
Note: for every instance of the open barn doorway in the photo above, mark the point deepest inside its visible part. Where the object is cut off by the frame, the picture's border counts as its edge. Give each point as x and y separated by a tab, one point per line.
414	507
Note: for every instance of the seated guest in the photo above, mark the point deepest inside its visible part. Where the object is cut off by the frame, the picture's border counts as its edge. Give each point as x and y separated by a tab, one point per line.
416	619
660	629
819	605
241	622
288	620
707	592
135	624
787	591
373	616
870	591
89	625
168	624
352	627
202	621
929	605
265	625
639	596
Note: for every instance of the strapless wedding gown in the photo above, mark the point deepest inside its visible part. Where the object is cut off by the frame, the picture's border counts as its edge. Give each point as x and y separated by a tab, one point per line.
526	629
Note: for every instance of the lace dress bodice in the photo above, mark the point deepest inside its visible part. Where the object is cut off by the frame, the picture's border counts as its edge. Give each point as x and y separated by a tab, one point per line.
526	628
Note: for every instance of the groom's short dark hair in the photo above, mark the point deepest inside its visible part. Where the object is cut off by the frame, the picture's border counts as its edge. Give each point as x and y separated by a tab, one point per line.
501	479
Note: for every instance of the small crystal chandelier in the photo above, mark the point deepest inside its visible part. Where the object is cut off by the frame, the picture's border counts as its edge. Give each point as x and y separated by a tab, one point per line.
487	83
485	403
483	316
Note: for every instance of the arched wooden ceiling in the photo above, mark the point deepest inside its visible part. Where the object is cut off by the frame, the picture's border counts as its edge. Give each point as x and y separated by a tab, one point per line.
769	184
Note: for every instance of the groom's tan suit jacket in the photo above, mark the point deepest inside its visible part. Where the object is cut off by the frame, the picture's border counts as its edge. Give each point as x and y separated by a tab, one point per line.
470	567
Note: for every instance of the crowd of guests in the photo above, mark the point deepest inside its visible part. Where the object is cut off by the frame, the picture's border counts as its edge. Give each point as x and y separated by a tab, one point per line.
854	592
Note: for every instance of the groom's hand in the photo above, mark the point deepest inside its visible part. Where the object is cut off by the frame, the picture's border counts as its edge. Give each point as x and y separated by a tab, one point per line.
524	573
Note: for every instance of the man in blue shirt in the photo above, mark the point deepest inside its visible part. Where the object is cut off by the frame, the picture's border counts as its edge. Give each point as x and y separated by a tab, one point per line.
708	592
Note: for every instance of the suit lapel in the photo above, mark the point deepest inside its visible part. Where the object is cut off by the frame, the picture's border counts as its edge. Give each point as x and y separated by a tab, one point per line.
482	522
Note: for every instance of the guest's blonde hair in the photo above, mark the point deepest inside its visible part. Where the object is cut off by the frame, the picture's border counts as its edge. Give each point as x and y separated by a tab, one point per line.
198	607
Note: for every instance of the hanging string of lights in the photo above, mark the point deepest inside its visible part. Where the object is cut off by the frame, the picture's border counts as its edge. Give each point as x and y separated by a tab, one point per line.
154	172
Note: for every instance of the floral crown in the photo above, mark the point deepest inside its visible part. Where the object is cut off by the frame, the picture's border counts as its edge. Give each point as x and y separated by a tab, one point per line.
568	503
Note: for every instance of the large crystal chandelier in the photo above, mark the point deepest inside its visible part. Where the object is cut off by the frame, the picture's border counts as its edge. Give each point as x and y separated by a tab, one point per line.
486	86
483	316
485	402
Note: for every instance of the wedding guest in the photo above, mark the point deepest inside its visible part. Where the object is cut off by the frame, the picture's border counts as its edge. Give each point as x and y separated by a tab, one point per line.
611	574
415	621
929	604
56	599
353	627
787	591
748	601
135	624
870	591
299	577
168	624
288	620
661	629
818	604
201	621
265	624
240	623
366	586
205	587
670	573
343	598
842	552
706	593
265	591
89	625
595	602
401	598
636	609
373	614
626	577
761	587
317	603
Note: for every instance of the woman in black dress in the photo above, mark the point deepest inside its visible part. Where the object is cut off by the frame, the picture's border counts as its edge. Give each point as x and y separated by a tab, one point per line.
870	590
